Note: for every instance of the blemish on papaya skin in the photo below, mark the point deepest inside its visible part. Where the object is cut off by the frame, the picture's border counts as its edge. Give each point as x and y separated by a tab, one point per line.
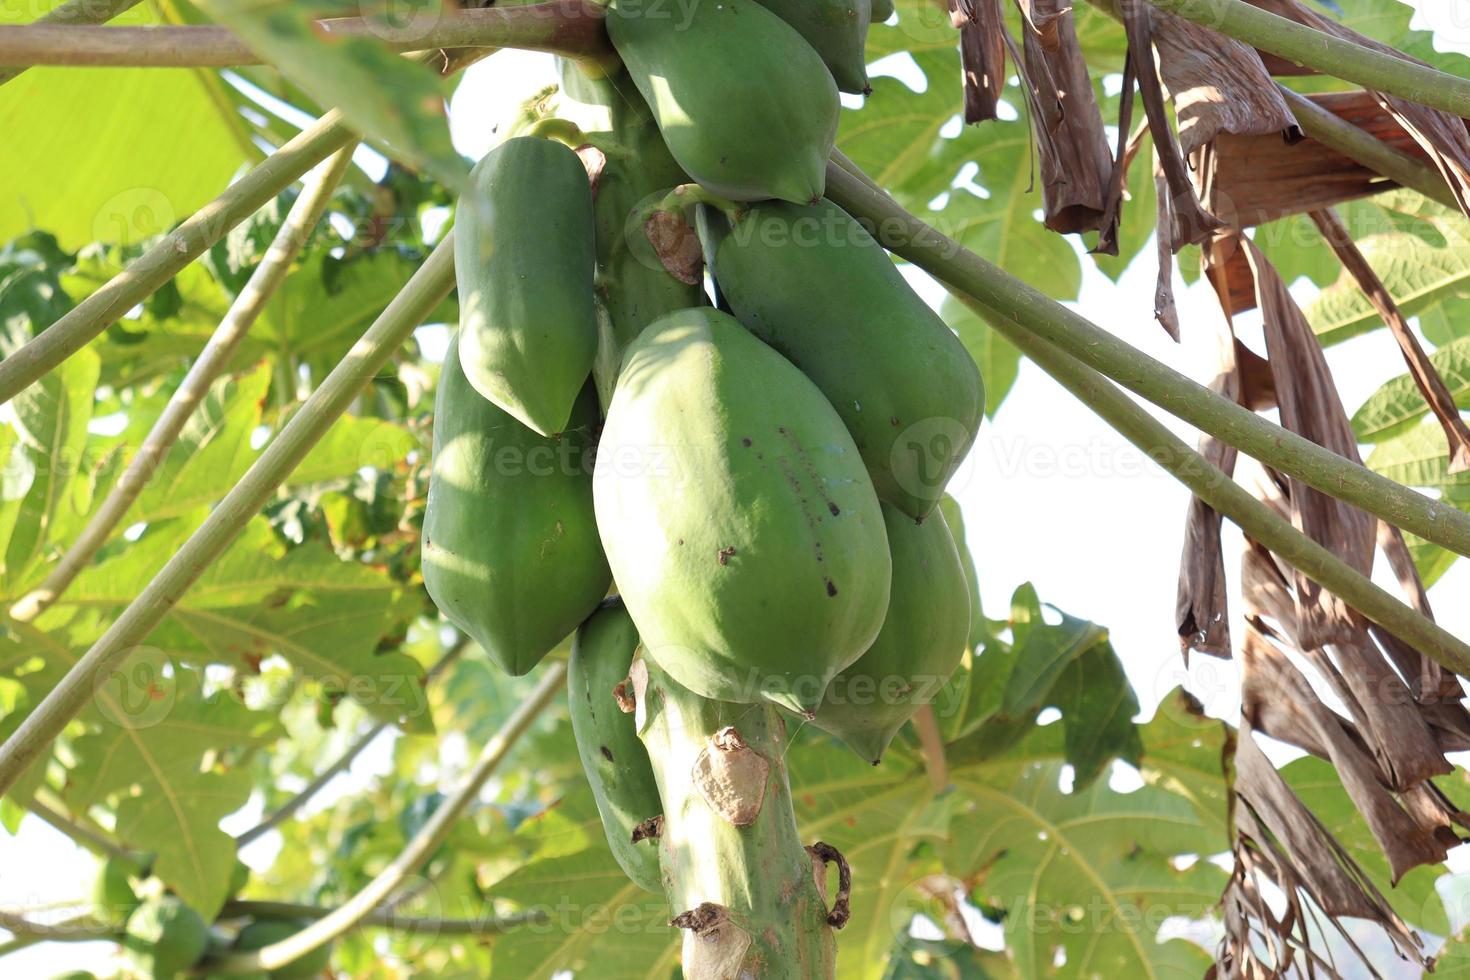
831	588
725	554
893	421
606	753
745	442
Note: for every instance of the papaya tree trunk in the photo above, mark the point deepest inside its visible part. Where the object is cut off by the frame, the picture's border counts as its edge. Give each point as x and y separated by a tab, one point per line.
748	895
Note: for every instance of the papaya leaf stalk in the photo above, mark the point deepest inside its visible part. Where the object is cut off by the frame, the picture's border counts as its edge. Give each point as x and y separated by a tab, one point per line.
304	215
1222	493
968	274
425	290
75	12
195	235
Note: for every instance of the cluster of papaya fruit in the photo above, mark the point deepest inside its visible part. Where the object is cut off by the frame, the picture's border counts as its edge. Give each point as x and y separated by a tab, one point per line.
760	477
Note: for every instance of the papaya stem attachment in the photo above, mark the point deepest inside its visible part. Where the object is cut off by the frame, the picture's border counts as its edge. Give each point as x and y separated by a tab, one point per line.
841	906
686	196
561	130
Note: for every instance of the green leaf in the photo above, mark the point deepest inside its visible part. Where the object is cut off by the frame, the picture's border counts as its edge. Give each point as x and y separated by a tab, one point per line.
324	615
1089	874
1417	457
383	95
217	446
1453	961
599	922
1398	404
155	731
1183	754
50	419
1422	255
112	154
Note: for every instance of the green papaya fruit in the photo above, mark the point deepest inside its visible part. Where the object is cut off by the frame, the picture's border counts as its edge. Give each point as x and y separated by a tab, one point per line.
613	757
112	891
837	30
920	645
740	525
950	508
524	260
633	167
265	932
762	125
165	937
812	283
510	548
880	11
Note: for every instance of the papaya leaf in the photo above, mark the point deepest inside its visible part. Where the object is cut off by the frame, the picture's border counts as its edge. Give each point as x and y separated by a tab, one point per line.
1446	321
218	445
1396	406
1082	881
155	731
323	615
1422	259
876	816
597	921
1183	754
50	420
130	170
1417	457
381	94
1070	666
1453	961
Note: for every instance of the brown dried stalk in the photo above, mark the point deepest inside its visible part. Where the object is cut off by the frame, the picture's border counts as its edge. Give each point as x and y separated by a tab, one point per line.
1426	377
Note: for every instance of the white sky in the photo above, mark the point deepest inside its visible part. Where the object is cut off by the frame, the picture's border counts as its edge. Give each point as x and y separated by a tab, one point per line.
1050	495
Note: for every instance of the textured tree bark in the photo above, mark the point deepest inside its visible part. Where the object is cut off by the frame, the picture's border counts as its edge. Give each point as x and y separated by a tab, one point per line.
749	897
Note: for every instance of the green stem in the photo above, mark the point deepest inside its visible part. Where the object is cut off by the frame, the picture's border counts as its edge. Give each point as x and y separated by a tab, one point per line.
967	273
75	12
685	196
84	831
424	291
241	316
1356	143
77	930
739	880
1302	45
1227	497
561	130
350	914
386	919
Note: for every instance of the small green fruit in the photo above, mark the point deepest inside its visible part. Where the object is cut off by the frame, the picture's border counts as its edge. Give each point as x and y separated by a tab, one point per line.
165	937
262	933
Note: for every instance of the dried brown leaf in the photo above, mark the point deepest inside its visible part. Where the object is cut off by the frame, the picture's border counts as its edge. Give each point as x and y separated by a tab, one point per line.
1218	85
982	55
1443	137
1309	405
1191	222
1425	376
1250	180
1076	165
